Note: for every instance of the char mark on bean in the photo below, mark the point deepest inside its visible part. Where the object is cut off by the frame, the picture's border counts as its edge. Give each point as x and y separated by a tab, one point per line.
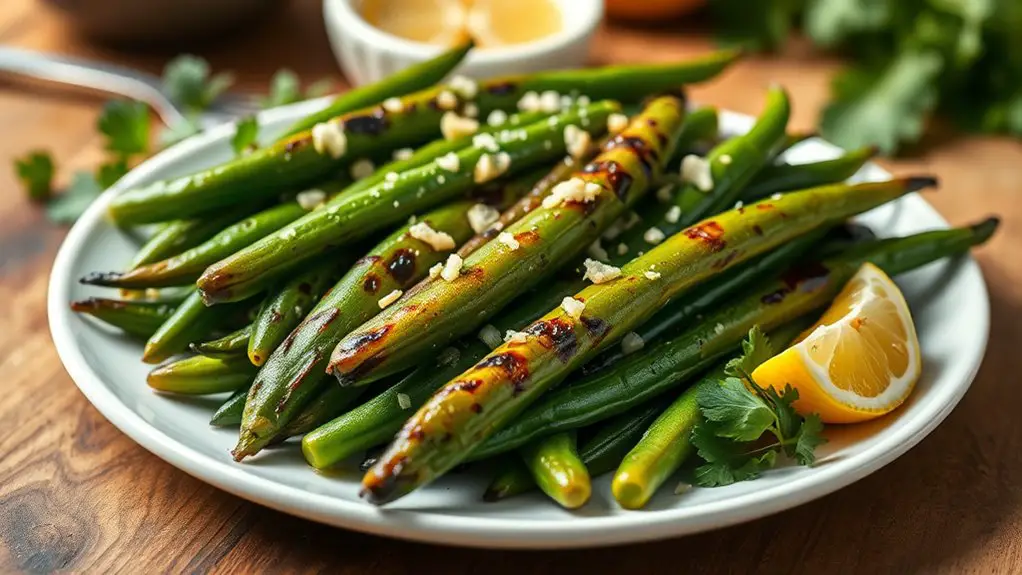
723	263
710	233
401	266
502	88
557	334
371	284
371	124
275	316
648	156
514	365
597	327
618	178
302	376
360	342
305	288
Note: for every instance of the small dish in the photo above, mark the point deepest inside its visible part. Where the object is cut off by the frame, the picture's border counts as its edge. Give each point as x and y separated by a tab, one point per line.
948	300
367	54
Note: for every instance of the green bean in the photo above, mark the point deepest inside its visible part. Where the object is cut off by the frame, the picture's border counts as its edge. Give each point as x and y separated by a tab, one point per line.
199	375
558	470
136	318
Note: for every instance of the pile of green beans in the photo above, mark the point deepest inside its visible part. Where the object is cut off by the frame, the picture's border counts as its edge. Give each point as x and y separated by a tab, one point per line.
511	269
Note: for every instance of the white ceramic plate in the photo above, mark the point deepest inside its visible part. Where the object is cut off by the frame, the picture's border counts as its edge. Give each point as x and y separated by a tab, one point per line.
948	299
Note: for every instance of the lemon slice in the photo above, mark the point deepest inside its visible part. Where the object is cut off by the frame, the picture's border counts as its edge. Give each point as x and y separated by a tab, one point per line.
860	361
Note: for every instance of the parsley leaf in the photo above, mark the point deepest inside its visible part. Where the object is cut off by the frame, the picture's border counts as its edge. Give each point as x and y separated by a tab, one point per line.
67	207
883	107
188	81
109	172
809	438
245	133
739	414
35	171
726	462
756	349
125	123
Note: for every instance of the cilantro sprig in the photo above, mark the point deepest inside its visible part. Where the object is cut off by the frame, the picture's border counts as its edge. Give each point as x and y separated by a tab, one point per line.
746	427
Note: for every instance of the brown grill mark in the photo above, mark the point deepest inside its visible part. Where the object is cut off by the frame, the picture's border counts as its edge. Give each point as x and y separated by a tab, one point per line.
401	265
328	316
757	229
647	155
721	264
558	334
710	233
597	327
476	407
275	317
502	88
807	278
617	177
372	124
764	207
305	288
527	237
356	344
297	144
513	364
371	284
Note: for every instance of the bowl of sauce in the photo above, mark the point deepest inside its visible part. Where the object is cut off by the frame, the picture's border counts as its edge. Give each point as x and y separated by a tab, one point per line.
375	38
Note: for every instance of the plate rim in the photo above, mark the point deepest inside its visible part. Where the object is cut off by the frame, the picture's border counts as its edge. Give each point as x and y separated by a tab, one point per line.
471	531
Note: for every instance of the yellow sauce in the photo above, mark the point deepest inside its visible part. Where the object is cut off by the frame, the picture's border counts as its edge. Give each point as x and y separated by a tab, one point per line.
491	23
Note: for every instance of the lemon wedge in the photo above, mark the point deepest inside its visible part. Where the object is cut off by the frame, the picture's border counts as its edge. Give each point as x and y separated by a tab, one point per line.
860	361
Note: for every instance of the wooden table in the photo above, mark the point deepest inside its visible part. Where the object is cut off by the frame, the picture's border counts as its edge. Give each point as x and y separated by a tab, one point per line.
77	495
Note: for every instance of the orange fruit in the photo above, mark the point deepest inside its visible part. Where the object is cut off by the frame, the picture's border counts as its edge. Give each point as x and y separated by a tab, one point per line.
860	361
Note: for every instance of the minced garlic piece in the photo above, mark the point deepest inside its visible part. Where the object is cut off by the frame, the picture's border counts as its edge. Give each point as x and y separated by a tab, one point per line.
549	101
529	102
776	196
631	343
582	100
480	216
490	167
310	199
453	126
513	336
596	251
616	123
599	272
329	138
403	153
651	275
439	241
665	194
696	171
390	298
496	118
490	336
288	233
654	235
739	205
391	177
452	268
446	100
393	105
448	356
434	271
464	86
622	249
508	240
403	401
471	110
362	169
572	307
576	141
673	215
449	162
486	142
725	160
574	189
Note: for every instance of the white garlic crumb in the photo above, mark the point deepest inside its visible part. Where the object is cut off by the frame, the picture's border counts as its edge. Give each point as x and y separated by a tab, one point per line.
529	102
582	100
576	141
651	275
310	199
362	169
297	310
393	105
725	160
403	401
573	189
390	298
434	271
665	194
449	162
490	336
631	343
596	251
696	171
552	121
464	86
776	196
654	235
496	118
718	329
682	488
403	154
622	249
440	241
453	126
412	219
490	167
616	123
549	101
512	336
471	110
486	142
572	307
508	240
547	144
289	233
441	179
391	176
448	356
375	193
452	268
446	100
480	216
599	272
397	204
739	205
673	215
566	101
329	138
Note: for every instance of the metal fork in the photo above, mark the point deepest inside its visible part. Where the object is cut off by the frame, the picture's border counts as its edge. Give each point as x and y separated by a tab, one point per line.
122	81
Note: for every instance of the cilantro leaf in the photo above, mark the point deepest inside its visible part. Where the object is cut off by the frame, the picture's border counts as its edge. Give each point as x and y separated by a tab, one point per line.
883	107
284	89
67	207
245	133
738	413
756	349
125	123
788	420
809	438
35	171
188	82
829	22
109	172
726	462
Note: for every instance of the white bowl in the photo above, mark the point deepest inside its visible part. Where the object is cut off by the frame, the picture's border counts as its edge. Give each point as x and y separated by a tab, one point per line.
367	54
948	301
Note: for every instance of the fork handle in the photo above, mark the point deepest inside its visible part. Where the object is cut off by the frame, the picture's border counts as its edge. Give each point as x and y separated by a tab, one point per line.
83	73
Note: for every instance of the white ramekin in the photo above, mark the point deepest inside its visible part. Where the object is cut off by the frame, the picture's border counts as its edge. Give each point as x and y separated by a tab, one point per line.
367	54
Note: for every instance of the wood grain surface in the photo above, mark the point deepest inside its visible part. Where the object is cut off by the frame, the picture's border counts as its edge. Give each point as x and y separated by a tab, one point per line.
76	495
